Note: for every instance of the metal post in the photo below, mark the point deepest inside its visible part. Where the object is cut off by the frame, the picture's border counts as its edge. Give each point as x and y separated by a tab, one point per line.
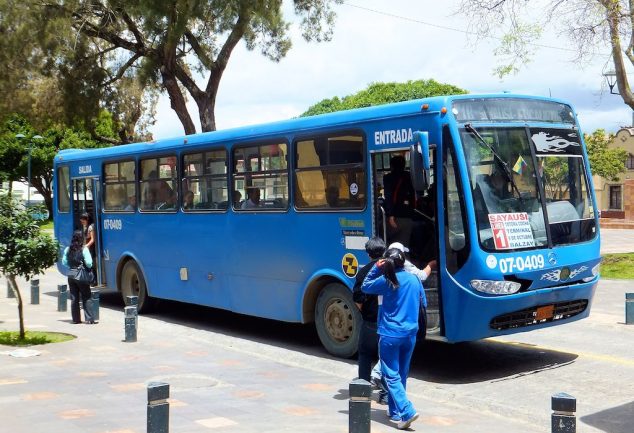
359	406
158	409
35	292
10	293
563	418
130	324
629	308
94	294
62	297
28	189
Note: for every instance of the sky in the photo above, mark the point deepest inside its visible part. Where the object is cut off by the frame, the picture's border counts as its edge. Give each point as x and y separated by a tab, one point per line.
397	41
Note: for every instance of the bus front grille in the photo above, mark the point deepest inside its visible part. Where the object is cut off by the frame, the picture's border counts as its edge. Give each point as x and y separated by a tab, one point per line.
529	316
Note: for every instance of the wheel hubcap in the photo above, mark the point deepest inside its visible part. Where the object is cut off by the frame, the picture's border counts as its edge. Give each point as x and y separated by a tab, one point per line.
338	320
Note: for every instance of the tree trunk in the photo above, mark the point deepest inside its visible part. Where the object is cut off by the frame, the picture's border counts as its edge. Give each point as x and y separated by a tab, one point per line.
177	101
16	292
207	115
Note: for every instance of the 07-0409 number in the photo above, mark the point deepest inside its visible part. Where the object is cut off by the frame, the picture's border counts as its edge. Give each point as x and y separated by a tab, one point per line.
520	264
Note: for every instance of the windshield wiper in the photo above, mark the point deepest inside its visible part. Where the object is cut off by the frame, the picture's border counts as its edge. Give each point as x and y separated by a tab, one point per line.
496	156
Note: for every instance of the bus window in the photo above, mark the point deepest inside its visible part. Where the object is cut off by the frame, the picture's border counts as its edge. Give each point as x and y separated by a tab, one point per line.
158	184
63	189
119	186
455	235
260	177
330	173
205	181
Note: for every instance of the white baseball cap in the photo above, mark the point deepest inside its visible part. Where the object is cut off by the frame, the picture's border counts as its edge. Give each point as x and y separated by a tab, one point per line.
399	246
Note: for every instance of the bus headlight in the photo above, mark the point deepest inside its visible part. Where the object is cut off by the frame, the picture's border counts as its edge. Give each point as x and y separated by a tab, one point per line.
496	287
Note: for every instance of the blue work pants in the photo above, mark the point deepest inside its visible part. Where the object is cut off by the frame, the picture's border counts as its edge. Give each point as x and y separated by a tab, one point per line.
396	354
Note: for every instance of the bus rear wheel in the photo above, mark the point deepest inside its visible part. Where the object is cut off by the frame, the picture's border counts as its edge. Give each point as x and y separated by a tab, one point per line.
133	284
338	320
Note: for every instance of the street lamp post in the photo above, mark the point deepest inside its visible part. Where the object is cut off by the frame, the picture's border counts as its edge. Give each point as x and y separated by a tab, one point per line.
28	190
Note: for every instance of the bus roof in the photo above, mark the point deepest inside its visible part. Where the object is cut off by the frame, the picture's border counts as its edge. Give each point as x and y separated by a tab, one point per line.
253	132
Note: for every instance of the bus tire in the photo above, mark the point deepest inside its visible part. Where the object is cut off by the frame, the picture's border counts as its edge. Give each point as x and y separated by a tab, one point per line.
338	320
133	284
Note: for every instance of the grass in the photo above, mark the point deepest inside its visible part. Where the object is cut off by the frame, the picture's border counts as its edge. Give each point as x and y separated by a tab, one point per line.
46	225
618	266
32	338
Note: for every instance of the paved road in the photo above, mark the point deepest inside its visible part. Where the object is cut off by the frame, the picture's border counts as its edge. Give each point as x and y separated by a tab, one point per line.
234	373
617	241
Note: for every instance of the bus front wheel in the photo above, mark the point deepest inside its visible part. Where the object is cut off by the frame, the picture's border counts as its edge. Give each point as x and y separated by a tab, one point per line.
133	284
338	320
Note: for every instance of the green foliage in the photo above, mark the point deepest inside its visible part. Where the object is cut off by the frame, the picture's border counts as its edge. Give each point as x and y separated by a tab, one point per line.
604	161
31	338
24	250
14	152
618	266
384	93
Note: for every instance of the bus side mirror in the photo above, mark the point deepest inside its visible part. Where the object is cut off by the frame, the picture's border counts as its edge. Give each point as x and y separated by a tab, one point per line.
419	161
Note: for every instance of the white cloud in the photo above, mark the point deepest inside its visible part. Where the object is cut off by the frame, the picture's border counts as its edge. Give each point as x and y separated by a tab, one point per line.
369	47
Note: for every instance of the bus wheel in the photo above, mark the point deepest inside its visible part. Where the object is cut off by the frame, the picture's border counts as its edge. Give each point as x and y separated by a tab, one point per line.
133	284
338	320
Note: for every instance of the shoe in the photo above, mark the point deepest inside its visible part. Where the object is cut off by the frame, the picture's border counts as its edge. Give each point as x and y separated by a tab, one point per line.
393	418
76	323
404	424
382	399
90	322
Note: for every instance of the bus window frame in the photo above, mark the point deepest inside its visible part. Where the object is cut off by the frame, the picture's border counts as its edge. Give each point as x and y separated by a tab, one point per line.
450	149
70	188
183	177
232	161
175	154
136	184
364	165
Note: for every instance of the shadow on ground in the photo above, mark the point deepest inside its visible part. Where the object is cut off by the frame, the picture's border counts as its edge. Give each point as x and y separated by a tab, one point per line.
479	361
618	419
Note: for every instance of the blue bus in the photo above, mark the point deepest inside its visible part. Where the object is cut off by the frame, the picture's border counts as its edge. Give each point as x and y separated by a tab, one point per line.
271	220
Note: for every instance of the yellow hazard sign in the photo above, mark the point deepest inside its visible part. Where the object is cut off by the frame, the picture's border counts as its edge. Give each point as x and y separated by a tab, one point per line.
350	265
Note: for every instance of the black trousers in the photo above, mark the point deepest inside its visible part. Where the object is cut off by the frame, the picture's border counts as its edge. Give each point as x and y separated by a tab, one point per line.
368	349
80	291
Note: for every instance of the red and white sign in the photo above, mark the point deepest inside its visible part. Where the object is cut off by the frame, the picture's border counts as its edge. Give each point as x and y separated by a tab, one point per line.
511	230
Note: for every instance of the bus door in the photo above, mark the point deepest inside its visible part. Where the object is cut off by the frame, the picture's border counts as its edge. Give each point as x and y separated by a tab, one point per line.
85	190
421	238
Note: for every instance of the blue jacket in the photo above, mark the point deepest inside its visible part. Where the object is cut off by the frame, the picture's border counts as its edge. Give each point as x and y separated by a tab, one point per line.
398	313
85	253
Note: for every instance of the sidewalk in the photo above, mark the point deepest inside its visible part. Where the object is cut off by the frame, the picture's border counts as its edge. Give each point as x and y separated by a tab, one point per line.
97	383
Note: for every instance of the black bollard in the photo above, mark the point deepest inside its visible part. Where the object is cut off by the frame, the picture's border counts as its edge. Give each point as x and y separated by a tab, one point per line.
629	308
35	292
359	406
130	324
62	297
10	293
158	409
563	418
94	295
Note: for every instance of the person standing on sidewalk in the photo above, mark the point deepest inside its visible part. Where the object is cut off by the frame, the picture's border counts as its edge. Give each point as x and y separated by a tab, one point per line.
369	306
74	256
90	240
397	328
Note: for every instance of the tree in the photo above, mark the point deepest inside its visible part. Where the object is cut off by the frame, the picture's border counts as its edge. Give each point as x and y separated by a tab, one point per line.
590	25
173	43
24	250
14	152
605	162
50	76
383	93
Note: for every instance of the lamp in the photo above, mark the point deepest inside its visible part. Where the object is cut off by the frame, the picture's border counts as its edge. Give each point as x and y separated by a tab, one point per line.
28	190
610	78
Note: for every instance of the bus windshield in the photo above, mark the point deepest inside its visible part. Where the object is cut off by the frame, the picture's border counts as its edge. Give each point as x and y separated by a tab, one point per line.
507	187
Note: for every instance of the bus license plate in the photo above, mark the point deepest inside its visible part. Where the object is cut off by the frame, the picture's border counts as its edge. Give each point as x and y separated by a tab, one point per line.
545	312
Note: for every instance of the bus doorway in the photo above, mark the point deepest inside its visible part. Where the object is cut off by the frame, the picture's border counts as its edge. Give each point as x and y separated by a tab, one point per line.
84	192
417	212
